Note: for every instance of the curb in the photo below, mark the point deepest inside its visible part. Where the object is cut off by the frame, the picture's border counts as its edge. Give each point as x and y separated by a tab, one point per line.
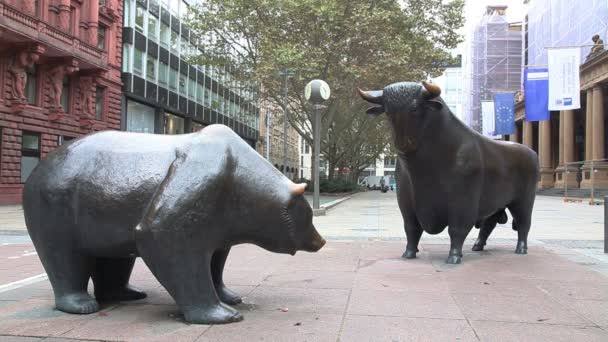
334	203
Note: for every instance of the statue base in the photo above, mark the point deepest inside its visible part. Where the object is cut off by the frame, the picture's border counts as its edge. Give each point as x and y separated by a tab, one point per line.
547	178
566	177
595	177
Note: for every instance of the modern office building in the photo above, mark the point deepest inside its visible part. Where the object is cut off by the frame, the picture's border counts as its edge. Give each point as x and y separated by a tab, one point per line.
452	87
60	78
493	64
165	94
572	144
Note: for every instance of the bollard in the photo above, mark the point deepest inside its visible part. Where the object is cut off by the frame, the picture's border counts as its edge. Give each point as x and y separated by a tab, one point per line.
605	224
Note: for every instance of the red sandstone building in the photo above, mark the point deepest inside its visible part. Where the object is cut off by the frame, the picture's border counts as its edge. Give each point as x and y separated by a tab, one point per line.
60	78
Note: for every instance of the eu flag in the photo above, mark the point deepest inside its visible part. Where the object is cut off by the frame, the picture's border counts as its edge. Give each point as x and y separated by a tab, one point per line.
536	85
504	109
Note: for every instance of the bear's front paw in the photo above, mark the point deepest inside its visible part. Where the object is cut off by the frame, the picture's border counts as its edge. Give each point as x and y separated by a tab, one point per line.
77	303
228	296
213	314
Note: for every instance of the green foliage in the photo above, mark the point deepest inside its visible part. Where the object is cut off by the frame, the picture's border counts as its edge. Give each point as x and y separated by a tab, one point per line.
331	186
349	44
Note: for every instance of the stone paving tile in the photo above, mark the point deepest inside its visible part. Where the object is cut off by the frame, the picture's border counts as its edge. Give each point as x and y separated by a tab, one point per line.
138	323
5	338
513	332
311	279
378	328
594	310
264	298
534	308
403	304
278	326
38	318
574	290
402	282
28	292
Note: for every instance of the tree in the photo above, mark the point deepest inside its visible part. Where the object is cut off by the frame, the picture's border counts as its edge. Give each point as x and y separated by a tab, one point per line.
364	43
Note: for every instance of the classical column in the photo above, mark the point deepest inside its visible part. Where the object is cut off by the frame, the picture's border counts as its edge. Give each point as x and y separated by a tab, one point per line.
513	137
589	126
528	134
546	171
598	123
566	173
93	21
63	21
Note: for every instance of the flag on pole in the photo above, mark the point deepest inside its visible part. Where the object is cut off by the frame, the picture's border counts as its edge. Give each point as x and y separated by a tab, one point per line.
536	85
504	106
564	80
487	118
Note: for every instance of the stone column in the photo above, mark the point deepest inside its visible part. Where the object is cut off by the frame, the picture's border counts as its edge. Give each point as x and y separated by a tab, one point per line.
547	173
589	126
28	7
93	21
566	173
528	134
598	123
513	137
63	22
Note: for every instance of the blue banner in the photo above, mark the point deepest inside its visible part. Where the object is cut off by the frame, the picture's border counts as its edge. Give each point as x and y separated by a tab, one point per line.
536	85
504	109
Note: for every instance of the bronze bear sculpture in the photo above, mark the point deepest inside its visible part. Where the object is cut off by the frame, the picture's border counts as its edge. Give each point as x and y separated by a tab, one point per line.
179	202
449	175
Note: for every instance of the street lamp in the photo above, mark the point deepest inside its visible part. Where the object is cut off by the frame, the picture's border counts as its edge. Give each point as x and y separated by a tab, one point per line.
316	92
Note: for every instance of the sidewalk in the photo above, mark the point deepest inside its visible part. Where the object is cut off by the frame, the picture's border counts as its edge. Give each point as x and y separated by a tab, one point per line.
349	291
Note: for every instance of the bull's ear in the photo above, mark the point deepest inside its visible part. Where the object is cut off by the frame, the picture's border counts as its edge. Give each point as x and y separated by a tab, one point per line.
375	110
435	104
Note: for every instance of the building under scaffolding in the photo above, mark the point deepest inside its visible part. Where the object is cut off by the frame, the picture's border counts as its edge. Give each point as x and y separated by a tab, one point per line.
494	62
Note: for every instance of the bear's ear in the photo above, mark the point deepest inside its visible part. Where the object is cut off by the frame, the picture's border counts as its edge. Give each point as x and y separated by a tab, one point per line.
298	189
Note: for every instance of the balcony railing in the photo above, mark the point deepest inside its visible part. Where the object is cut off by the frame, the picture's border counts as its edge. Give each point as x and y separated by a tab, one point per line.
82	49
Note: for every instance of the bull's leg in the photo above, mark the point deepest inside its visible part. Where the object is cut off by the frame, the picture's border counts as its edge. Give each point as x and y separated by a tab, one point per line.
457	236
522	219
484	232
413	232
217	271
111	279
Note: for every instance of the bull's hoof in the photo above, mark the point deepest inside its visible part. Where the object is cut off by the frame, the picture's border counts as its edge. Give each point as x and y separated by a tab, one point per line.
123	295
218	314
228	296
453	259
478	246
77	303
409	254
522	248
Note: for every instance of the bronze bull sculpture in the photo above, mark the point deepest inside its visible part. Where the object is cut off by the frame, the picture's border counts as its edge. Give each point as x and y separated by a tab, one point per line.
449	175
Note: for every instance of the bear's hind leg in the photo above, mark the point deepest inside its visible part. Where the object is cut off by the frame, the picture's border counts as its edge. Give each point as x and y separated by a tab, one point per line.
218	261
69	276
111	280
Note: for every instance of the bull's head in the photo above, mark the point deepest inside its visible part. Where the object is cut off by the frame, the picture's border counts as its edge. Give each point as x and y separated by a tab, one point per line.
409	107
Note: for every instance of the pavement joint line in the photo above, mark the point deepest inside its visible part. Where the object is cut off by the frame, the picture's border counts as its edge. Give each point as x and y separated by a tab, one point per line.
23	282
557	300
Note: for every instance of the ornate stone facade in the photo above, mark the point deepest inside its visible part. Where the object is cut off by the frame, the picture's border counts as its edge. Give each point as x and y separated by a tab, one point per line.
57	81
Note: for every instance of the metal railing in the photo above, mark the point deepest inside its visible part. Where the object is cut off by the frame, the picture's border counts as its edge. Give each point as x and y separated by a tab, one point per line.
586	175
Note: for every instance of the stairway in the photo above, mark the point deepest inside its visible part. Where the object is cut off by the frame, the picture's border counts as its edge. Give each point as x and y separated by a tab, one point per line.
598	194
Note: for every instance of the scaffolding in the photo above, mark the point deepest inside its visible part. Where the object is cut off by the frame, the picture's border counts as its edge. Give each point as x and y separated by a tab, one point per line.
495	62
553	23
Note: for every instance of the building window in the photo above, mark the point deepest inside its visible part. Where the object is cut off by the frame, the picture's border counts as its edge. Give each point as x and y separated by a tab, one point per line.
174	41
163	68
138	62
62	139
65	94
140	13
165	35
191	88
100	93
140	118
173	79
30	154
101	37
31	85
152	27
182	84
199	93
173	124
151	68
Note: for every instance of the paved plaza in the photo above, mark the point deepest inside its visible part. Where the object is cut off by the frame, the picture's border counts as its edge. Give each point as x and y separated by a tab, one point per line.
357	288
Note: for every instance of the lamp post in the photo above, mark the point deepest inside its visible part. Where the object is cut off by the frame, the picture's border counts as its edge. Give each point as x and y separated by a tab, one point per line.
316	92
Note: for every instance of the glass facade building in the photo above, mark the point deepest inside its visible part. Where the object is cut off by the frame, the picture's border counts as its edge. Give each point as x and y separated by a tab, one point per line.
164	93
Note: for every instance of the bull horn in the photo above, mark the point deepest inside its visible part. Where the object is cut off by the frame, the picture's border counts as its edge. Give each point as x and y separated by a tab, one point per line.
298	189
373	96
431	90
